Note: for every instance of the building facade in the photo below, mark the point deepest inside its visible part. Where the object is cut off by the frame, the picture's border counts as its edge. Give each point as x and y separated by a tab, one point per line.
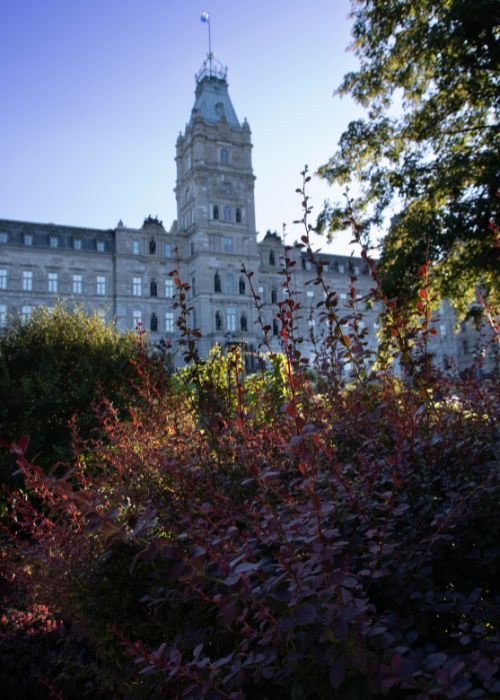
124	273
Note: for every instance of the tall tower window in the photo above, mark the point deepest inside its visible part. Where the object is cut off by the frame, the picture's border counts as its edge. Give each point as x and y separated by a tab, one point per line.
224	156
216	211
238	215
153	288
218	321
167	250
152	246
243	322
154	322
241	285
274	295
217	283
275	327
135	247
272	258
227	213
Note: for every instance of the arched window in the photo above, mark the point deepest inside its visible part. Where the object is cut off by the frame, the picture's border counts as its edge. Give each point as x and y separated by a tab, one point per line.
227	213
218	321
217	283
216	211
275	327
274	296
272	259
154	322
238	215
153	289
241	285
152	246
243	322
224	156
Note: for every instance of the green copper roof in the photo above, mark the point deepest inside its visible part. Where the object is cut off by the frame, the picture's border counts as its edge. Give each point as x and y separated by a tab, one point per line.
212	100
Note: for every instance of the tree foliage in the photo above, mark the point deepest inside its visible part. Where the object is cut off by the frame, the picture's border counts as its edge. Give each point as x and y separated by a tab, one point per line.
56	366
427	150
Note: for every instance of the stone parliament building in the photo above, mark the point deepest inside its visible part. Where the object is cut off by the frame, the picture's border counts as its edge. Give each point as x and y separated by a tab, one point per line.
123	273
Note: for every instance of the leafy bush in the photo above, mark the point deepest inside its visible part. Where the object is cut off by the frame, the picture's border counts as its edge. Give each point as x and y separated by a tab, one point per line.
328	540
54	367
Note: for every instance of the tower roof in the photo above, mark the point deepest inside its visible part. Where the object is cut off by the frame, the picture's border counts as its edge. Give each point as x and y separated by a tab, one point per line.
212	101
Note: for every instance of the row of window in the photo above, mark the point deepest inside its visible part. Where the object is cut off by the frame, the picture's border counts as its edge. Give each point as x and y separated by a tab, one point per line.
54	241
152	247
53	282
27	310
229	323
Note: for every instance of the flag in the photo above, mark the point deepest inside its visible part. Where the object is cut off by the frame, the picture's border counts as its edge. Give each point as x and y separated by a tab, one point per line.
205	17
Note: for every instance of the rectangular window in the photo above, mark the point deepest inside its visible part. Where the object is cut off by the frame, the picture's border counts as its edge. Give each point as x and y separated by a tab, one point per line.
341	269
310	294
52	286
28	239
4	237
101	313
27	281
231	319
135	247
77	243
77	284
193	286
168	250
136	286
169	288
53	241
169	321
137	316
3	315
343	295
228	244
356	270
100	286
25	313
100	246
3	278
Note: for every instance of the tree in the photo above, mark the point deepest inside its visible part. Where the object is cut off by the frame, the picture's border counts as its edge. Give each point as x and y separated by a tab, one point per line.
435	165
53	367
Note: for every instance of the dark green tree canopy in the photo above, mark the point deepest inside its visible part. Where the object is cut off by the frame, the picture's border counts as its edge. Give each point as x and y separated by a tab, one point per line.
427	151
53	367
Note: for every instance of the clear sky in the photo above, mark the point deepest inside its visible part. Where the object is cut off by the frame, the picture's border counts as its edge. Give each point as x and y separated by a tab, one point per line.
93	94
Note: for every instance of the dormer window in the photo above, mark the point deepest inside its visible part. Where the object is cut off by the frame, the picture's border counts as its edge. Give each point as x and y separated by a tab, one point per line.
28	239
99	246
53	241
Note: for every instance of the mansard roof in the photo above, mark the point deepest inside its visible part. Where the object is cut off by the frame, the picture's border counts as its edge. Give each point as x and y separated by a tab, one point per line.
212	101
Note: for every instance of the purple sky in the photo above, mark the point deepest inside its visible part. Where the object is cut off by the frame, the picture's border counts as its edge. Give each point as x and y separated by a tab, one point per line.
93	94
